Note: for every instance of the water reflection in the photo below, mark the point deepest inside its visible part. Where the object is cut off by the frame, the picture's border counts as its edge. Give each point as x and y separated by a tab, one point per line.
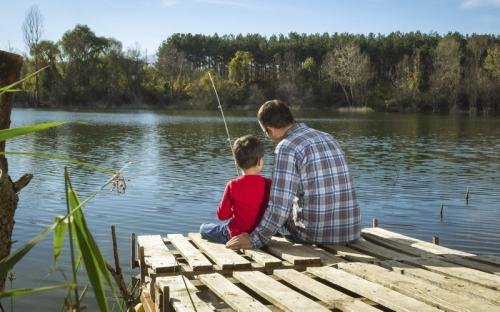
405	167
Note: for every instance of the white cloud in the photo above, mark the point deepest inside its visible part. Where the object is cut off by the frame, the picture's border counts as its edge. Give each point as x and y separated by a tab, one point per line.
467	4
169	3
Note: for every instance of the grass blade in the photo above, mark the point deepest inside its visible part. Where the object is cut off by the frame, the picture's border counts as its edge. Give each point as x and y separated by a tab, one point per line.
8	88
29	291
6	134
88	252
7	263
59	233
66	159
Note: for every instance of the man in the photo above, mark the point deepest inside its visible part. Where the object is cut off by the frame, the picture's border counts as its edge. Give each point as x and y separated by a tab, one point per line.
312	198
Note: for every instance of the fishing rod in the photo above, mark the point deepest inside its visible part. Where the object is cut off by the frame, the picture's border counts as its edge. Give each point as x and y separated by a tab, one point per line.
225	124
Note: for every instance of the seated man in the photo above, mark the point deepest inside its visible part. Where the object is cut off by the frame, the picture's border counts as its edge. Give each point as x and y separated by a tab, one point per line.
312	197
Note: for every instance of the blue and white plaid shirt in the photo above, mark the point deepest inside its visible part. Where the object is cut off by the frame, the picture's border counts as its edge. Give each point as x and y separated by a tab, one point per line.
312	194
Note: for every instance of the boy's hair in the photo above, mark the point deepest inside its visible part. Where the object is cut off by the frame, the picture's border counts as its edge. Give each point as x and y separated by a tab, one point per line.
275	114
247	151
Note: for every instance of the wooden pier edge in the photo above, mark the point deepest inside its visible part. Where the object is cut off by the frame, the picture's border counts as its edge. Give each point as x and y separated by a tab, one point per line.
383	270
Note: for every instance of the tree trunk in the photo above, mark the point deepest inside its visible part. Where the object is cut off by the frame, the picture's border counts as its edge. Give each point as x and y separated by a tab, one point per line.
10	69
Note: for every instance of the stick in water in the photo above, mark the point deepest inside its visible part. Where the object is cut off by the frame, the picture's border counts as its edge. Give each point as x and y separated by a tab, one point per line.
225	124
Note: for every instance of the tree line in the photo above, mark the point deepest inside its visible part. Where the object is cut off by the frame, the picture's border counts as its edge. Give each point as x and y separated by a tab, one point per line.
396	72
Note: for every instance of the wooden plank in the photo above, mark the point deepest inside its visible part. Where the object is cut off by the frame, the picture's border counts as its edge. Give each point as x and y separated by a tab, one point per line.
231	294
490	259
277	293
446	282
156	254
375	292
196	260
146	301
222	256
377	250
300	254
488	280
262	257
409	244
181	292
349	253
468	262
415	288
331	297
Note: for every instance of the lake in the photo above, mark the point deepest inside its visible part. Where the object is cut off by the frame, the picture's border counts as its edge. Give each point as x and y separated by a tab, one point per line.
405	166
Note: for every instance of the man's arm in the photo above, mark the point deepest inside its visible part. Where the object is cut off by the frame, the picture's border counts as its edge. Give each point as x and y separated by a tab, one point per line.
283	190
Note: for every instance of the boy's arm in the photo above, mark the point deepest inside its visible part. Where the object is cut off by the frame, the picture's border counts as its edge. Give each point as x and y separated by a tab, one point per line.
225	211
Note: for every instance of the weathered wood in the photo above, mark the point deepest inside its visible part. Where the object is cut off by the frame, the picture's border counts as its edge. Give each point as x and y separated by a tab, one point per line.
196	260
488	280
490	259
349	253
331	297
300	254
222	256
133	251
415	288
452	284
468	262
377	250
142	265
147	304
422	279
181	292
408	244
231	294
262	257
375	292
277	293
156	254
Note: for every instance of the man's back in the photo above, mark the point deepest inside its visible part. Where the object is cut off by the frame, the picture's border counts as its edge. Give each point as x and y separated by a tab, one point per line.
325	209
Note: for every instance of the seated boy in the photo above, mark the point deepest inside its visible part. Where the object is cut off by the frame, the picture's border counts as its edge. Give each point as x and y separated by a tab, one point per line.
245	197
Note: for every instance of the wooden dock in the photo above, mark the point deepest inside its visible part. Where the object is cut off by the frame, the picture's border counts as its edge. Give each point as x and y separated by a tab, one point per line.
384	271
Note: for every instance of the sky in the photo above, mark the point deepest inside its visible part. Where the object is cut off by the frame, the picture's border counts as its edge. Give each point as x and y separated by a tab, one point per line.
145	24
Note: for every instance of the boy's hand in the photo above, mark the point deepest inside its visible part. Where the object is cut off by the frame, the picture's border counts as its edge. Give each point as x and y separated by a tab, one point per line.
241	241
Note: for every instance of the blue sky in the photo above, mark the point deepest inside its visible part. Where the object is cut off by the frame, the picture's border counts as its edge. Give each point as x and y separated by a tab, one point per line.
146	23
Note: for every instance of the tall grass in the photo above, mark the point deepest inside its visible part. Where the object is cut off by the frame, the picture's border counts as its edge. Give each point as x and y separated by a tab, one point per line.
74	224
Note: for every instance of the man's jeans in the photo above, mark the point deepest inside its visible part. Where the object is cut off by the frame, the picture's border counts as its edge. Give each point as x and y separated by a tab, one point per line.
215	232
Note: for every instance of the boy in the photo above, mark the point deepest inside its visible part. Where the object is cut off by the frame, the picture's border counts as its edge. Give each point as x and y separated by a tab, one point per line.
245	197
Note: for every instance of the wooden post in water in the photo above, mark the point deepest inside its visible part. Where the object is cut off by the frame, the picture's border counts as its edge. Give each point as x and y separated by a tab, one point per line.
133	257
467	196
435	240
142	264
375	223
441	213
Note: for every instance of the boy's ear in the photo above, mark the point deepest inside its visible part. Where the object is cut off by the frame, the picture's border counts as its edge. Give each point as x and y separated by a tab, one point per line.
261	161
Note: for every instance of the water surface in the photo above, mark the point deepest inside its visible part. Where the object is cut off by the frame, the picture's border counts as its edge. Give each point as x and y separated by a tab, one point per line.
405	167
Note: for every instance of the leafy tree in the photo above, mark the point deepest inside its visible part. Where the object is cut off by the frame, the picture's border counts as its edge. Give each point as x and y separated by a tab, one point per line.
492	62
240	68
350	68
445	79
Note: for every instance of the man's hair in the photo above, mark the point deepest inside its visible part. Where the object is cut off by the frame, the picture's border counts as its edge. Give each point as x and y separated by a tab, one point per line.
247	151
275	114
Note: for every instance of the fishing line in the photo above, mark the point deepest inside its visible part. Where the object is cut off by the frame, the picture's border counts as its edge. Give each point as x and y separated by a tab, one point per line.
225	124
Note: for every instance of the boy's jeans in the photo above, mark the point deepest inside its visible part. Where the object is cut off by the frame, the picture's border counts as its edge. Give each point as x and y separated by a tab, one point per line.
215	232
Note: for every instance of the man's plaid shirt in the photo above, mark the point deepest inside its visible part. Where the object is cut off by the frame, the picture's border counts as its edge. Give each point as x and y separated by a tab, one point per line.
312	194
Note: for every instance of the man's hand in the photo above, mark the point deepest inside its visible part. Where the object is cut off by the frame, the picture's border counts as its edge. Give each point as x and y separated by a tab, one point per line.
241	241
